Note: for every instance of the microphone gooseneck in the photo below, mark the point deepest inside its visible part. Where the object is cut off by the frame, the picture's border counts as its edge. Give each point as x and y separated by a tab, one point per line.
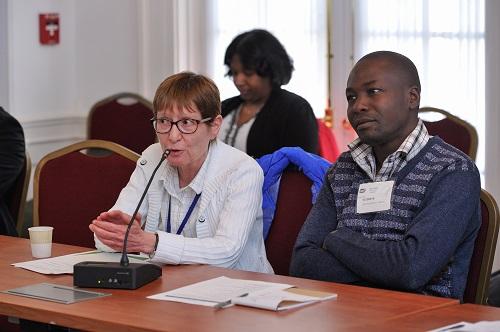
124	260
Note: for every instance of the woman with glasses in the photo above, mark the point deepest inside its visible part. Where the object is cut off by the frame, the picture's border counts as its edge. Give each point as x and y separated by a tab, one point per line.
204	203
264	117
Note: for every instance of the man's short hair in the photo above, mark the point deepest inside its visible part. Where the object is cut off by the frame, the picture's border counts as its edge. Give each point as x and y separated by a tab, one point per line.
401	63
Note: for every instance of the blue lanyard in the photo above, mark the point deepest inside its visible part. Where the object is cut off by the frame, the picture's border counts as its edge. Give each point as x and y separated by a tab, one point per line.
186	218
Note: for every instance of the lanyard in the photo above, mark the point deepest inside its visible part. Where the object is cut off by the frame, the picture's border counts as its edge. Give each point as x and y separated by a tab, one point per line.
186	218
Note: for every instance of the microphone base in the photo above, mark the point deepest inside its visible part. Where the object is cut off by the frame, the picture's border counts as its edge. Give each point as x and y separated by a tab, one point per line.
114	275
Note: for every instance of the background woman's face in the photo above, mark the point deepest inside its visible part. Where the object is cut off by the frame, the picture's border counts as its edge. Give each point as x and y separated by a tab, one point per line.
252	87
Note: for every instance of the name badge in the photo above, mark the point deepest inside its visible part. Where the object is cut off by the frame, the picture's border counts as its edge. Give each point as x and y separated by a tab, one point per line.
374	197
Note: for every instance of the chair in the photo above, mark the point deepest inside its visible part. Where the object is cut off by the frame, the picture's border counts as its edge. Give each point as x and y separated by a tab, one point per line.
9	324
71	188
452	130
328	148
124	119
478	279
16	196
292	207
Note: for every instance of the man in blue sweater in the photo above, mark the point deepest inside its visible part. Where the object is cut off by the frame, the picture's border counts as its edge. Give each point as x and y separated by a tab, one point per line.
400	210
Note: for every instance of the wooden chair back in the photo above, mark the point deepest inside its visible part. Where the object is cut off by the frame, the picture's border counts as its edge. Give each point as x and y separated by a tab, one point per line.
293	204
72	186
453	131
123	118
478	279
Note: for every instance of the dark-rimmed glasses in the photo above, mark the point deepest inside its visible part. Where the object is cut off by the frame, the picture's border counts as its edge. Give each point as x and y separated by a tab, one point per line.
185	126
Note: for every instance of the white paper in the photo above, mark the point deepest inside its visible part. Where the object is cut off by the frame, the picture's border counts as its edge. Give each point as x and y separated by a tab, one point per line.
274	299
64	264
374	197
483	326
214	292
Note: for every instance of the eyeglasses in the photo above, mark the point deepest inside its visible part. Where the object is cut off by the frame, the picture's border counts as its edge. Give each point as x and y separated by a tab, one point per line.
185	126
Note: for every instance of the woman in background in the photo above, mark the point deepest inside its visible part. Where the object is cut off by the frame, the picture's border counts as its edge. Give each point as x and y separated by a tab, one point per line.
264	117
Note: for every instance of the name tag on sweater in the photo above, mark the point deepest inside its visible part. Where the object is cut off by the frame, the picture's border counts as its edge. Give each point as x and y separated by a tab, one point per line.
374	197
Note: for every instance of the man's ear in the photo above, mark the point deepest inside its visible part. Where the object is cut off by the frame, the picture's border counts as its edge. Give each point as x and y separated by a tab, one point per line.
414	98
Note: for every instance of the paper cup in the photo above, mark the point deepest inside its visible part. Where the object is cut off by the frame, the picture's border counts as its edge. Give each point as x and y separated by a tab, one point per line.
41	241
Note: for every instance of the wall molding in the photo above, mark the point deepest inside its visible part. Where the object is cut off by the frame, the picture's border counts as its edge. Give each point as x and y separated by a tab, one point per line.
43	131
46	135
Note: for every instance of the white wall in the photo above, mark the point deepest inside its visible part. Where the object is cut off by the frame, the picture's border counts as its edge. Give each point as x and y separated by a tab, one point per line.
4	48
42	93
42	83
156	58
341	65
492	73
104	49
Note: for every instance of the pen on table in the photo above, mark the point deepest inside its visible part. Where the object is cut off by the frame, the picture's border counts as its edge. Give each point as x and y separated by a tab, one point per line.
223	304
457	326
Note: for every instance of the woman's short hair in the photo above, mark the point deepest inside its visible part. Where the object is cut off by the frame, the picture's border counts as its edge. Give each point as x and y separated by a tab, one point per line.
185	90
260	51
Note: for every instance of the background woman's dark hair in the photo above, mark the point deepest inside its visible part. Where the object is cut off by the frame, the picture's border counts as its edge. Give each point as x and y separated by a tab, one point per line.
259	50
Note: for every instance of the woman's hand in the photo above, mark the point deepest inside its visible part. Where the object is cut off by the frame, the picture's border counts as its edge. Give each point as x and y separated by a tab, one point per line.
110	228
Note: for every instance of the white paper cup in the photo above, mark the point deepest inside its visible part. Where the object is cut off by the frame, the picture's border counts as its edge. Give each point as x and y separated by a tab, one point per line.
41	241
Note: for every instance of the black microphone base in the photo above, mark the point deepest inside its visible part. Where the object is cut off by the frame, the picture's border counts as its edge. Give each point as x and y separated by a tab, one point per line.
114	275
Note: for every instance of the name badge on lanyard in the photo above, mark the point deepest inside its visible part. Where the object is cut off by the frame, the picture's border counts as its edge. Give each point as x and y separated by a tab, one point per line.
374	197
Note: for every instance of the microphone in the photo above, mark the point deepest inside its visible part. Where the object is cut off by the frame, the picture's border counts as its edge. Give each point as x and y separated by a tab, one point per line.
124	260
123	275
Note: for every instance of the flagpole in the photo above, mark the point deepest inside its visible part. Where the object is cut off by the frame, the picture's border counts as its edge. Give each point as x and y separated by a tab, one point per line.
328	118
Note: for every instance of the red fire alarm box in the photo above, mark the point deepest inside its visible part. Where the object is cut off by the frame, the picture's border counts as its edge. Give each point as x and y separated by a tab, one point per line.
49	28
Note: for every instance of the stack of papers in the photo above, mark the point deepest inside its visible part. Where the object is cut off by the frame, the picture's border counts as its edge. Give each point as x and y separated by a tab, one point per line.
483	326
223	291
64	264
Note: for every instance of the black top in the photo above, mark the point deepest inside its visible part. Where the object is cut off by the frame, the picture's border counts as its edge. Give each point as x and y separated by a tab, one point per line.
285	120
12	154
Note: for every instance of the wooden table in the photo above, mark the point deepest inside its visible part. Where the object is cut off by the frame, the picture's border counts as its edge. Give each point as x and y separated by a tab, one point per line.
436	318
130	310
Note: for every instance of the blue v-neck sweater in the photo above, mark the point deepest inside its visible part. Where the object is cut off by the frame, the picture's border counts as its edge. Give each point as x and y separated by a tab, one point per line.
423	243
